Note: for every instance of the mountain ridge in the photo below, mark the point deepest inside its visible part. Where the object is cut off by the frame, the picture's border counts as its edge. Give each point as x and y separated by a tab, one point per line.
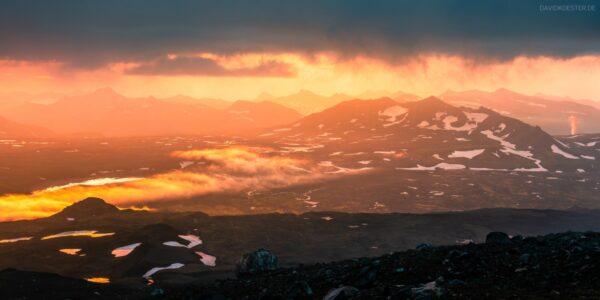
419	131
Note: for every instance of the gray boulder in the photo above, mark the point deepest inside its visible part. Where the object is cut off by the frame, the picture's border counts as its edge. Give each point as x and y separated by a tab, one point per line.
497	238
258	261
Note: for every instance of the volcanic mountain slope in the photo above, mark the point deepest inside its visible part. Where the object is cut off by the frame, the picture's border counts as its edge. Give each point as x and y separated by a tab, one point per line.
559	116
12	130
426	135
134	248
112	114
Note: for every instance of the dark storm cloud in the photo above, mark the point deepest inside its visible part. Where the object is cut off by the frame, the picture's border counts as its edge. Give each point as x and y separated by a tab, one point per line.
198	66
88	34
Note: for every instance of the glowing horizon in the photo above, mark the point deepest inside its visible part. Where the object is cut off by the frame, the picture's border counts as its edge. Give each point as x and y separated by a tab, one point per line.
326	74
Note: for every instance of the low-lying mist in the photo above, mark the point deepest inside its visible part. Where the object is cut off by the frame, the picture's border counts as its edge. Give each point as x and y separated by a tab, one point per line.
216	170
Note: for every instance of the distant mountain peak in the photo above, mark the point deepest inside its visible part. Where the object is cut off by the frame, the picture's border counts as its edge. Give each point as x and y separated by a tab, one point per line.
432	101
87	207
505	91
106	92
305	92
264	97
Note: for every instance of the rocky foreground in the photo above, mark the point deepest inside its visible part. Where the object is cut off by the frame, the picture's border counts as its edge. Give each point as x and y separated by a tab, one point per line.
556	266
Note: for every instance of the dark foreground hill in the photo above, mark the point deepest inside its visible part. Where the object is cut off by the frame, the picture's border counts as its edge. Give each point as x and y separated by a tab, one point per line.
555	266
93	239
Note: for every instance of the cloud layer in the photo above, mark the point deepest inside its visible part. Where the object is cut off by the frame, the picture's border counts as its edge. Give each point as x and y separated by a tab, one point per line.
90	34
217	170
199	66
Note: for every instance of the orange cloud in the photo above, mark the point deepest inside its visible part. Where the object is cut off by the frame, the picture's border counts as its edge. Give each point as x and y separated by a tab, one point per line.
229	169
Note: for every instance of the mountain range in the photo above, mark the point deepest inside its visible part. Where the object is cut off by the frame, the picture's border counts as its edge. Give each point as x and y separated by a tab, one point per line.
106	112
307	102
556	115
109	113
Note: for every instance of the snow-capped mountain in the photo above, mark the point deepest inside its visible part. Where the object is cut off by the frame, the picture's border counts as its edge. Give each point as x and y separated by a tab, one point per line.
426	135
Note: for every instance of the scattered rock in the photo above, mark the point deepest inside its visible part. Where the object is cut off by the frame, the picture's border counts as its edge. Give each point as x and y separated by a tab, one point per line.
497	238
258	261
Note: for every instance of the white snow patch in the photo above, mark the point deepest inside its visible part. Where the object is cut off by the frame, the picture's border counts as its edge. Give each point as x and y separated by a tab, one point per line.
206	259
443	166
174	244
339	169
192	239
510	148
501	128
506	144
124	250
476	117
487	169
423	124
391	152
466	154
588	157
157	269
392	113
559	151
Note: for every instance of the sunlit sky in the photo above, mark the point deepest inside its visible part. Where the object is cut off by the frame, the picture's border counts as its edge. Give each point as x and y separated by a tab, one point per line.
421	75
239	49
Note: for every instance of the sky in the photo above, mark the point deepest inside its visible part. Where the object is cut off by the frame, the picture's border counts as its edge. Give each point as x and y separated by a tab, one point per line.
238	49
